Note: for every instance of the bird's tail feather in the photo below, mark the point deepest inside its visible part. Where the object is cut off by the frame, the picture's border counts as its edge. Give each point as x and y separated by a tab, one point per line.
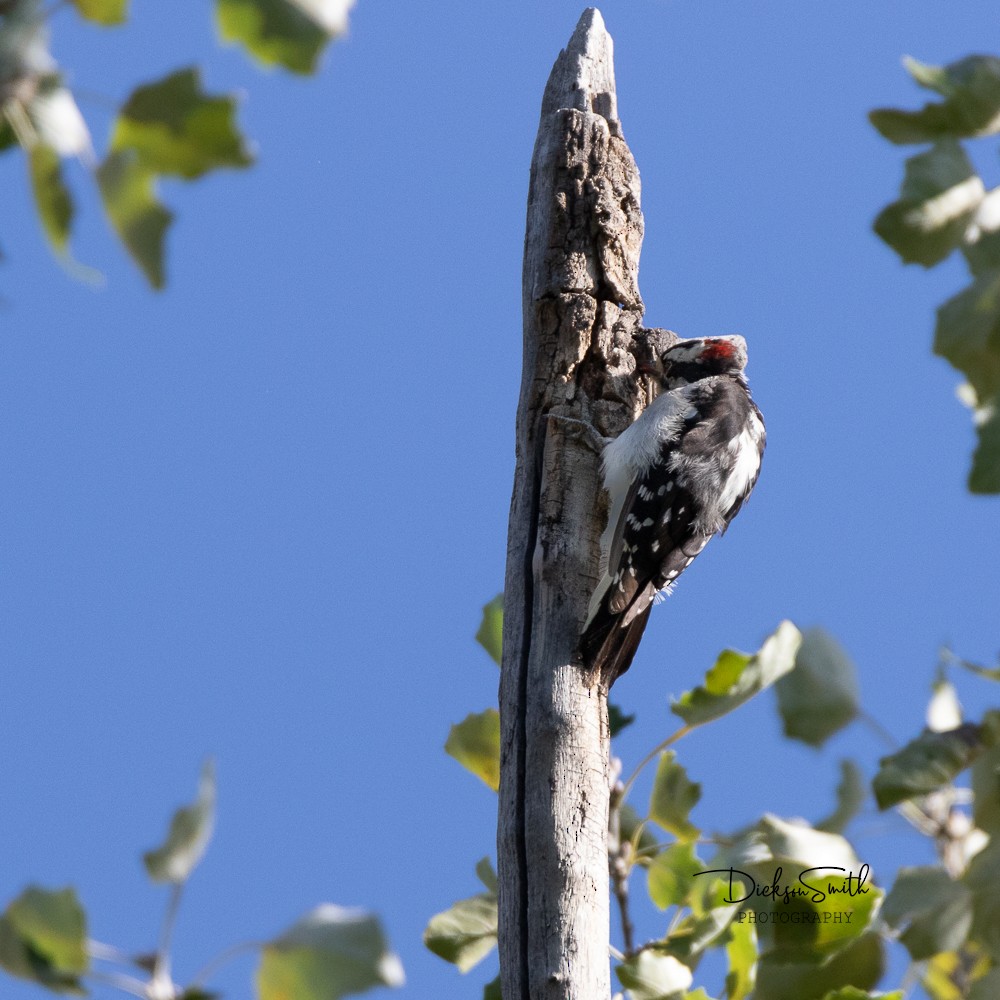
607	646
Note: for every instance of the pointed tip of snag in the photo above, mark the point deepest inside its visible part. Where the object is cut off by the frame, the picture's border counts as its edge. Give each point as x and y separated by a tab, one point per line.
590	20
590	35
583	76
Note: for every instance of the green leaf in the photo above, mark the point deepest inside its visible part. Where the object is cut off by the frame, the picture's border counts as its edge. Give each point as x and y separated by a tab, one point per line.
175	128
289	33
491	991
54	925
190	831
138	217
475	744
987	988
931	77
971	88
947	976
967	334
851	794
618	720
811	894
8	139
790	842
490	634
52	197
698	994
43	937
981	249
696	933
807	928
670	878
982	878
820	696
673	797
925	764
168	127
940	196
936	172
650	976
984	476
986	791
860	964
981	245
933	912
737	677
466	933
104	12
329	953
741	953
486	875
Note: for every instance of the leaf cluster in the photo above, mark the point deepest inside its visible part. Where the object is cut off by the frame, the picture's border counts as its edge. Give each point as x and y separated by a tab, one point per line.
166	128
790	905
943	207
328	953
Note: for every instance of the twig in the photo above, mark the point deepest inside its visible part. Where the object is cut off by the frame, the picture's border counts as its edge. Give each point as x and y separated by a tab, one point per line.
619	857
206	971
101	952
161	964
911	978
118	980
878	729
619	886
655	752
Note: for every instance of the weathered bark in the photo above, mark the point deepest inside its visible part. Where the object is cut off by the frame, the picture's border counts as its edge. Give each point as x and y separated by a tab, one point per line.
581	310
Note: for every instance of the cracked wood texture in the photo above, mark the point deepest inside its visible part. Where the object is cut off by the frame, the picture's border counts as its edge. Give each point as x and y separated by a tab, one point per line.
581	311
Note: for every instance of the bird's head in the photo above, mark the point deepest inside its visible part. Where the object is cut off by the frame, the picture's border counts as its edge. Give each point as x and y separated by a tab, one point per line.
689	361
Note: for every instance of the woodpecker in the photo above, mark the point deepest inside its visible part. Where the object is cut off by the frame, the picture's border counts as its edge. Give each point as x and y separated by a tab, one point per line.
677	476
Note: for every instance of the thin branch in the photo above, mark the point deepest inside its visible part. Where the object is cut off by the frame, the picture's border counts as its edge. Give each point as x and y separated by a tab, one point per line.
949	658
619	885
638	853
214	964
20	123
119	981
675	921
620	855
918	818
101	952
169	919
161	964
655	752
878	729
911	978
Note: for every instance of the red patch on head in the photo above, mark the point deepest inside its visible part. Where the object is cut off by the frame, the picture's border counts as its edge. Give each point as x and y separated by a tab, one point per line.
719	350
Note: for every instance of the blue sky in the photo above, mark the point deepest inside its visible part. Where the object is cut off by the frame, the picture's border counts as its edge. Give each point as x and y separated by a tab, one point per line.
256	516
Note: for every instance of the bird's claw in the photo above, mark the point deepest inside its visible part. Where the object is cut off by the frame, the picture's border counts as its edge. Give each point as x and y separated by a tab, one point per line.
583	431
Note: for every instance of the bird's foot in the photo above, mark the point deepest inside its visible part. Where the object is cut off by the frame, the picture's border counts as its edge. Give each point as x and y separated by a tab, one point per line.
585	432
